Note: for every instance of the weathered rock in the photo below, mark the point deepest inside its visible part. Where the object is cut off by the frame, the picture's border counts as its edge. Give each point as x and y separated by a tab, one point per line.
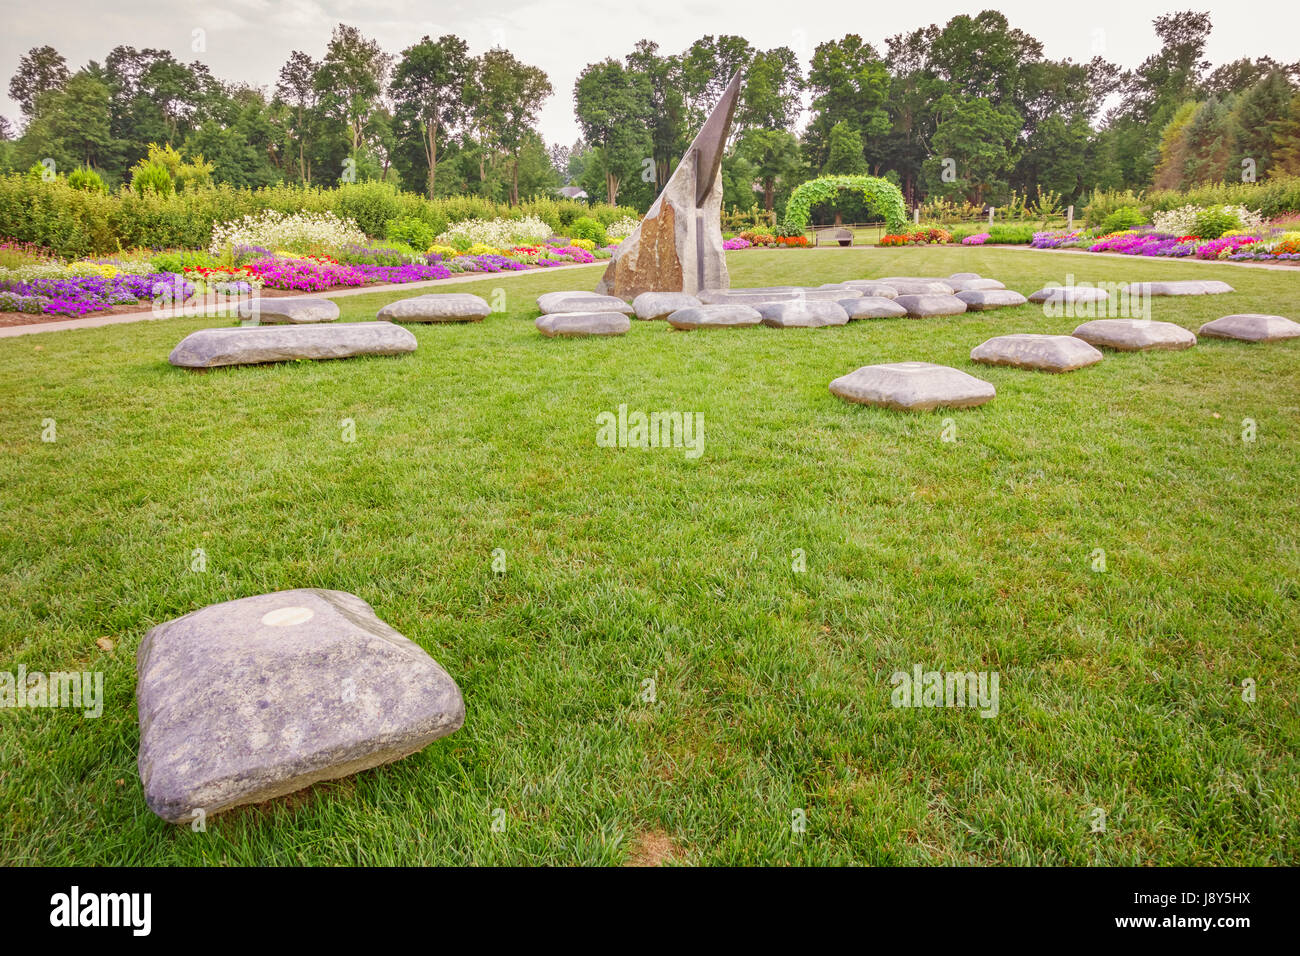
912	386
1251	327
295	311
1070	294
588	303
872	307
1135	335
578	324
256	344
547	301
965	275
975	285
677	247
659	305
251	699
922	306
1184	287
757	296
871	287
907	285
1046	353
980	301
714	317
802	314
440	307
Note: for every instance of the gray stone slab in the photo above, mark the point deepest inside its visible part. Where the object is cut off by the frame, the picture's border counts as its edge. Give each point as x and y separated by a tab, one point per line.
965	275
802	314
918	285
981	301
1183	287
547	301
1045	353
1134	335
872	307
1251	327
756	296
912	386
930	304
258	344
437	307
715	317
975	285
252	699
579	324
1071	294
872	287
295	311
586	303
659	305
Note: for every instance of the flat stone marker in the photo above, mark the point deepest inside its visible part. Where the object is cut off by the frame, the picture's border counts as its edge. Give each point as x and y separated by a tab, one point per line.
965	275
1072	294
586	303
251	699
756	296
981	301
802	314
1135	335
579	324
439	307
715	317
906	285
548	300
975	285
1185	287
871	287
872	307
923	306
912	386
289	311
258	344
659	305
1251	327
1044	353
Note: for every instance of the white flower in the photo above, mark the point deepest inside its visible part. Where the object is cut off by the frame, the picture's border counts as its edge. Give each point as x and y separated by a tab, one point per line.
276	230
501	233
621	228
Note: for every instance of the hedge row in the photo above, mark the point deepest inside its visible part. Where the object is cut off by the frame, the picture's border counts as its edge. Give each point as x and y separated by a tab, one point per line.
1273	197
73	222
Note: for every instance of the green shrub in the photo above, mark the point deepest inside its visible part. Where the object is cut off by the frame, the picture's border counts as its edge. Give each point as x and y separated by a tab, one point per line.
1125	217
1213	222
416	233
151	177
180	260
1010	234
86	180
369	205
584	227
1104	202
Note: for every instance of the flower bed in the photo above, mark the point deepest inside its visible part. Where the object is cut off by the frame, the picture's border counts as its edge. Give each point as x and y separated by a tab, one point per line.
77	296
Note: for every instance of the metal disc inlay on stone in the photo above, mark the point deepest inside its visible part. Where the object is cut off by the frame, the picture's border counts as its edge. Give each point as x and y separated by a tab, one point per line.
257	344
249	700
289	311
440	307
1135	335
912	386
579	324
1046	353
1251	327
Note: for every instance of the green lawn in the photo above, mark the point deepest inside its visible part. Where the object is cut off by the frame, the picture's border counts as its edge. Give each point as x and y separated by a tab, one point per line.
1119	690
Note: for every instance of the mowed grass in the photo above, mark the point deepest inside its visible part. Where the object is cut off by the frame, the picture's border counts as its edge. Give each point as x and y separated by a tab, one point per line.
1120	690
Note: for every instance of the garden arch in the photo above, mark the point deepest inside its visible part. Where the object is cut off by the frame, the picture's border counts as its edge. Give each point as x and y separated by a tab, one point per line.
881	195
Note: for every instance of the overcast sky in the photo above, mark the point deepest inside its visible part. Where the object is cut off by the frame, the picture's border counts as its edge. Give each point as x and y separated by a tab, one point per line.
248	40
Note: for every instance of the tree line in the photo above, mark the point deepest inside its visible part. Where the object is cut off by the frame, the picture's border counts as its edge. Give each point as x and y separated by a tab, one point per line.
971	111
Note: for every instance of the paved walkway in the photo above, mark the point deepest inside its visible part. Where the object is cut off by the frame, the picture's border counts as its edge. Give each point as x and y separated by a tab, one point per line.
1095	255
120	318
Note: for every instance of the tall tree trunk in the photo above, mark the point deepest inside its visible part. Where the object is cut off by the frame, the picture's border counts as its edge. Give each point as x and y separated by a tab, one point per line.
431	151
514	182
769	193
611	188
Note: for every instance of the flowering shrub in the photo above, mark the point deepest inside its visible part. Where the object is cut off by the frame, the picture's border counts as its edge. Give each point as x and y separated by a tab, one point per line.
299	231
498	233
918	237
1223	247
737	243
583	244
1207	221
792	242
79	295
1056	240
976	240
621	228
13	302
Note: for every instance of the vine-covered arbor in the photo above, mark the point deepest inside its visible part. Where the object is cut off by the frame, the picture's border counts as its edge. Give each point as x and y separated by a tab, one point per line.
882	197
